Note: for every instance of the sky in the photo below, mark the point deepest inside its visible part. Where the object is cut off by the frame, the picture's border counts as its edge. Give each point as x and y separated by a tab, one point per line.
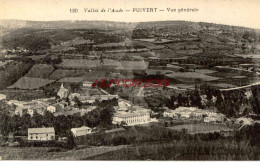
231	12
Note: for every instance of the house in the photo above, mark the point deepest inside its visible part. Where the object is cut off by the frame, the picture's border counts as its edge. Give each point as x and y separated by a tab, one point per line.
211	119
41	134
87	84
73	95
51	109
194	113
57	107
168	113
81	131
2	97
20	112
248	94
31	111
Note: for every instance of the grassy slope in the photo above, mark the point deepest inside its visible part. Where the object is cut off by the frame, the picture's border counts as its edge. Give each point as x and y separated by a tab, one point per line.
213	150
42	153
12	73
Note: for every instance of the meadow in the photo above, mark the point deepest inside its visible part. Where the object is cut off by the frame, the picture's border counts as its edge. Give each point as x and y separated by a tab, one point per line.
184	150
201	128
191	77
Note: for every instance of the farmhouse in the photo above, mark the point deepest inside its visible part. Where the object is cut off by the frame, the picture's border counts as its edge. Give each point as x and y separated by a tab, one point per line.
81	131
41	134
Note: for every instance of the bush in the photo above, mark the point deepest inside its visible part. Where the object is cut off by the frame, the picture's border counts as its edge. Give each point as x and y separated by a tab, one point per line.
120	140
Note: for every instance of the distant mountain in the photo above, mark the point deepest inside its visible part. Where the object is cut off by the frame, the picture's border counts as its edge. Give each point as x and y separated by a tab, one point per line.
108	25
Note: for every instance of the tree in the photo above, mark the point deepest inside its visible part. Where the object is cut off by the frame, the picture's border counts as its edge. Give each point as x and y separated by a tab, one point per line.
255	100
70	143
180	100
195	98
77	101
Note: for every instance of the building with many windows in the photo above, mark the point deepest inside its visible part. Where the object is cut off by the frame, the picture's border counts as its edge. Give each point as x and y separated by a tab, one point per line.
133	116
41	134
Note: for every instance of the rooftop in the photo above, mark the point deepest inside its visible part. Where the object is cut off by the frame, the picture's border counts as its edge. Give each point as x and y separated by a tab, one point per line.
41	130
80	129
131	114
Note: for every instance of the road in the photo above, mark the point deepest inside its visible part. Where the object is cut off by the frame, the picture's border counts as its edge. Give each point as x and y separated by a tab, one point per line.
241	87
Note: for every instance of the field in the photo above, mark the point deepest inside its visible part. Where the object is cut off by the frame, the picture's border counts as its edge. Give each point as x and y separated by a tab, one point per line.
189	52
44	153
60	73
184	150
184	86
191	77
146	44
127	54
205	71
72	79
3	63
91	64
233	78
30	83
201	128
224	74
222	85
239	77
13	72
166	53
26	95
40	71
62	49
108	45
79	63
249	56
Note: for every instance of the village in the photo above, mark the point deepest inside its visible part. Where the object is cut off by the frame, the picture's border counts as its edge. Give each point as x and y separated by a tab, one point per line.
106	89
126	113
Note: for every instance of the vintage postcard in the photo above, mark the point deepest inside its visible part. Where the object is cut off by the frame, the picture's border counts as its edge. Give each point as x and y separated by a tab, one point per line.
130	80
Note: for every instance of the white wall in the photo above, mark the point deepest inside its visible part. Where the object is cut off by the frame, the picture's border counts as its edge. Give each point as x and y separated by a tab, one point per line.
41	136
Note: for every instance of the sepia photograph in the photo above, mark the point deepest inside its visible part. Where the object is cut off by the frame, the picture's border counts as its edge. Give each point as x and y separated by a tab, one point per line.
128	80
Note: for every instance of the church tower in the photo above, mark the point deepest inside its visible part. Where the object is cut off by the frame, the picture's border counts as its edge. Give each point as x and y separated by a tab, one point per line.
63	92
